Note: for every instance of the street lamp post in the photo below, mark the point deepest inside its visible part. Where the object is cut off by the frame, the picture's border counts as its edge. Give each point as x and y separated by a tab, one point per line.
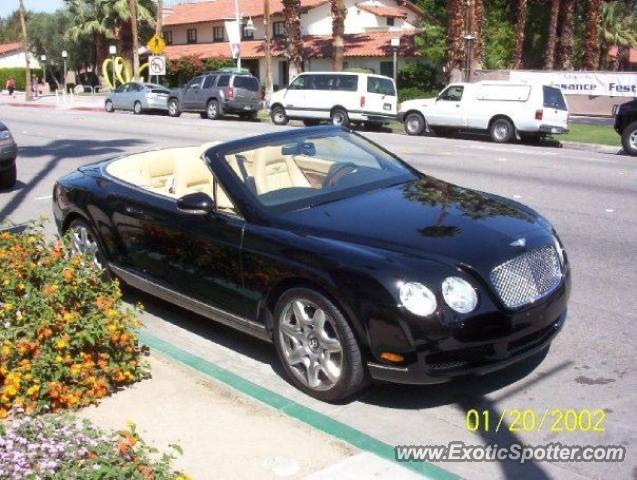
249	28
395	45
43	59
65	55
468	40
112	50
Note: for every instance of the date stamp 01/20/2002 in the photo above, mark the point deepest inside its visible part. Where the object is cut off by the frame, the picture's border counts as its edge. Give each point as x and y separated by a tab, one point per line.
556	420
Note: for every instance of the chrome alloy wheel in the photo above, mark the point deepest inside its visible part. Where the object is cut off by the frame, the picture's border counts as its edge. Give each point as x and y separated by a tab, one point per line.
173	108
501	131
212	110
338	118
310	344
86	244
632	139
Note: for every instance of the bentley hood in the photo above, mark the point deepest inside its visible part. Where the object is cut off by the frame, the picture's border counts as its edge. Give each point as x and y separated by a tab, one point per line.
432	219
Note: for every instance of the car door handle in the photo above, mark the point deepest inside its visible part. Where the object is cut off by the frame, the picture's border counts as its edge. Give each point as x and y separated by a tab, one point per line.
134	211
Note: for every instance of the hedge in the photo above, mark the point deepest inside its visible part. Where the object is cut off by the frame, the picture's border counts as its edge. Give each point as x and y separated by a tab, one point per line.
18	74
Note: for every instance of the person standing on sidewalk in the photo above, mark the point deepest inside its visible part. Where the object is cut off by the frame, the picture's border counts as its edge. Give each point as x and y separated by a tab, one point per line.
10	86
35	86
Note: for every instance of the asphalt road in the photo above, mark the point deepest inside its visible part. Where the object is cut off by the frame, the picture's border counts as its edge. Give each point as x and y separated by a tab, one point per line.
590	198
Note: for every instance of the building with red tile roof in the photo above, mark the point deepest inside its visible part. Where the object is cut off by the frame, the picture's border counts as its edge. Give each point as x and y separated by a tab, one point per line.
198	29
12	56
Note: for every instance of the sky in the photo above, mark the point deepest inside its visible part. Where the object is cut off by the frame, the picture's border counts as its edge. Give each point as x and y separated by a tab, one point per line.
8	6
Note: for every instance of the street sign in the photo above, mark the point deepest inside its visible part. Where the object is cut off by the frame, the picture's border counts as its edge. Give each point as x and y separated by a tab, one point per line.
156	44
157	65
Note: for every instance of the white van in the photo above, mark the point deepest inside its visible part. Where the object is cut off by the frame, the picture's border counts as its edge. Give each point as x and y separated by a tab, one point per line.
502	108
340	97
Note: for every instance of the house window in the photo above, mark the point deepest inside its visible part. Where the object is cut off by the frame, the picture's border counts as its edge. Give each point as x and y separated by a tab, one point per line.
168	36
391	21
278	29
192	35
247	34
217	34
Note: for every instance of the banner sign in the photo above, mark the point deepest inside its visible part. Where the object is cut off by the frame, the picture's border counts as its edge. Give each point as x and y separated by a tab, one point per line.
234	37
612	84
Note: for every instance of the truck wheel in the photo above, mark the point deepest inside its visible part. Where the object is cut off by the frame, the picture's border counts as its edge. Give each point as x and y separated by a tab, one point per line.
212	110
173	108
629	138
501	130
340	118
278	116
8	178
414	123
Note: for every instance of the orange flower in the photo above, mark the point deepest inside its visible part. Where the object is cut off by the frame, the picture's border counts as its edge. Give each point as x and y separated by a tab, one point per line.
68	274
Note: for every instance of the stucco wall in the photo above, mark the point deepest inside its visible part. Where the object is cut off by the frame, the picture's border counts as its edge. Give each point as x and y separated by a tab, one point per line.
17	60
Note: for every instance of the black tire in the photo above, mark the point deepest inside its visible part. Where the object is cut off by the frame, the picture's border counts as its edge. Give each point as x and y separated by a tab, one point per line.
8	177
414	123
352	376
501	130
137	108
629	139
173	107
339	117
311	123
99	258
108	106
212	110
278	116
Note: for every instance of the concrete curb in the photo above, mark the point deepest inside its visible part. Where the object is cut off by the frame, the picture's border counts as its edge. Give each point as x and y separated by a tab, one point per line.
57	107
592	147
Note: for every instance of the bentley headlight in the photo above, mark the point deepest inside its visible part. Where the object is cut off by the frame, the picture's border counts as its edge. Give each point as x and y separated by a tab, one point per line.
459	294
418	299
5	134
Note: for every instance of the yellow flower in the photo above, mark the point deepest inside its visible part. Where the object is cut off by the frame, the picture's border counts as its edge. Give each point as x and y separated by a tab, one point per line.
5	282
6	350
68	317
130	423
58	359
11	390
8	307
33	390
61	344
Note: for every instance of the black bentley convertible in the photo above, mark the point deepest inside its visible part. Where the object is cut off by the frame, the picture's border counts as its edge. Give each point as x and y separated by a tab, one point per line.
351	262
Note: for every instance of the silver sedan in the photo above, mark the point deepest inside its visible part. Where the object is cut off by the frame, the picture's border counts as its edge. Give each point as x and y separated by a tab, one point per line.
138	97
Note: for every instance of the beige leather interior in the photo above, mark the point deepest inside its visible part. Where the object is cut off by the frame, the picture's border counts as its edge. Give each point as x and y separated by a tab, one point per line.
274	171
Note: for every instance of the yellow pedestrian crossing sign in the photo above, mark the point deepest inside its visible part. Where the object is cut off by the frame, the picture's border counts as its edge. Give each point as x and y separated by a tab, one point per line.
156	44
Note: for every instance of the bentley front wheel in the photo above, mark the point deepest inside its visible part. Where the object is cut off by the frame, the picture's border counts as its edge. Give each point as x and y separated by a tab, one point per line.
317	346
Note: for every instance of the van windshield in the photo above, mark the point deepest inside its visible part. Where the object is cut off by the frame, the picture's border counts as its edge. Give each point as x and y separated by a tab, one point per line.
553	98
380	85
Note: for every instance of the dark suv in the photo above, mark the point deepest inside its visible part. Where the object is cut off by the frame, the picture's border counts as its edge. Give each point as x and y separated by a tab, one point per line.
215	94
8	152
626	125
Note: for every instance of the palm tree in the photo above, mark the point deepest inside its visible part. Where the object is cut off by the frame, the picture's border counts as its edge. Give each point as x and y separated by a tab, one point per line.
591	35
520	24
623	51
87	19
339	12
567	36
292	14
478	31
25	44
116	18
455	31
549	58
617	28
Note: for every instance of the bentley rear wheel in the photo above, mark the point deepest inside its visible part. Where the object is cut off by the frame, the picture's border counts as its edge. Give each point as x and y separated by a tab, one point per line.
85	241
316	346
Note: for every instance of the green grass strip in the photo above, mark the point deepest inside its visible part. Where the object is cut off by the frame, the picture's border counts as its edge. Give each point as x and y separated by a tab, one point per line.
293	409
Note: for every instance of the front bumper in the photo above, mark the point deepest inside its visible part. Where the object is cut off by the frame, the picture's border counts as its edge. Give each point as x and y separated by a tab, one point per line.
487	342
8	154
553	129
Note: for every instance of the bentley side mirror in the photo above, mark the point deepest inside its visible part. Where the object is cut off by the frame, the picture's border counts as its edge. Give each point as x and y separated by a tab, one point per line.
198	203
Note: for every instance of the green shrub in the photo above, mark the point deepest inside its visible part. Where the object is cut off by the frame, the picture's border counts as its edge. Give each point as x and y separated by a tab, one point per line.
65	339
61	447
411	93
420	76
19	74
218	63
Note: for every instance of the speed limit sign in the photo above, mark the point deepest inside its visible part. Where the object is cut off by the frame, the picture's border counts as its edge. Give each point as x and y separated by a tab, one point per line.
157	65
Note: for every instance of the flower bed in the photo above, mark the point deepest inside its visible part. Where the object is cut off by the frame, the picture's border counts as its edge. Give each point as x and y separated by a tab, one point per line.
62	447
65	339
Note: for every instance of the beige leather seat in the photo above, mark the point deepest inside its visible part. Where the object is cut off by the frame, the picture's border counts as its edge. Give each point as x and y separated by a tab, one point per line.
274	171
192	175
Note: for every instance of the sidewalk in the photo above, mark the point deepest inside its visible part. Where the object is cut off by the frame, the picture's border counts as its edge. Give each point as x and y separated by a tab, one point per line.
227	435
86	103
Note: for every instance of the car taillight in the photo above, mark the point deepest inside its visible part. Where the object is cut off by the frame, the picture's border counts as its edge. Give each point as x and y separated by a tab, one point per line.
363	101
230	92
539	114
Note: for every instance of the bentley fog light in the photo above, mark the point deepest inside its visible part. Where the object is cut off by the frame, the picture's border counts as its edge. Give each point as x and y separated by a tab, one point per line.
459	294
418	299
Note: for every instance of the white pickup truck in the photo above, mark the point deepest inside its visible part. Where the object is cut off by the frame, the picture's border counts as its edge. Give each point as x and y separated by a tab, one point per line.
504	109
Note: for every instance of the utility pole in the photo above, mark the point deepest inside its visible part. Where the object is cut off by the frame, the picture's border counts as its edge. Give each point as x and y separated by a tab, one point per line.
132	6
25	44
268	53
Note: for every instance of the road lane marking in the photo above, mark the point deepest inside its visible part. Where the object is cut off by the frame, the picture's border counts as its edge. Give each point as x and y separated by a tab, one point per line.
512	150
46	197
